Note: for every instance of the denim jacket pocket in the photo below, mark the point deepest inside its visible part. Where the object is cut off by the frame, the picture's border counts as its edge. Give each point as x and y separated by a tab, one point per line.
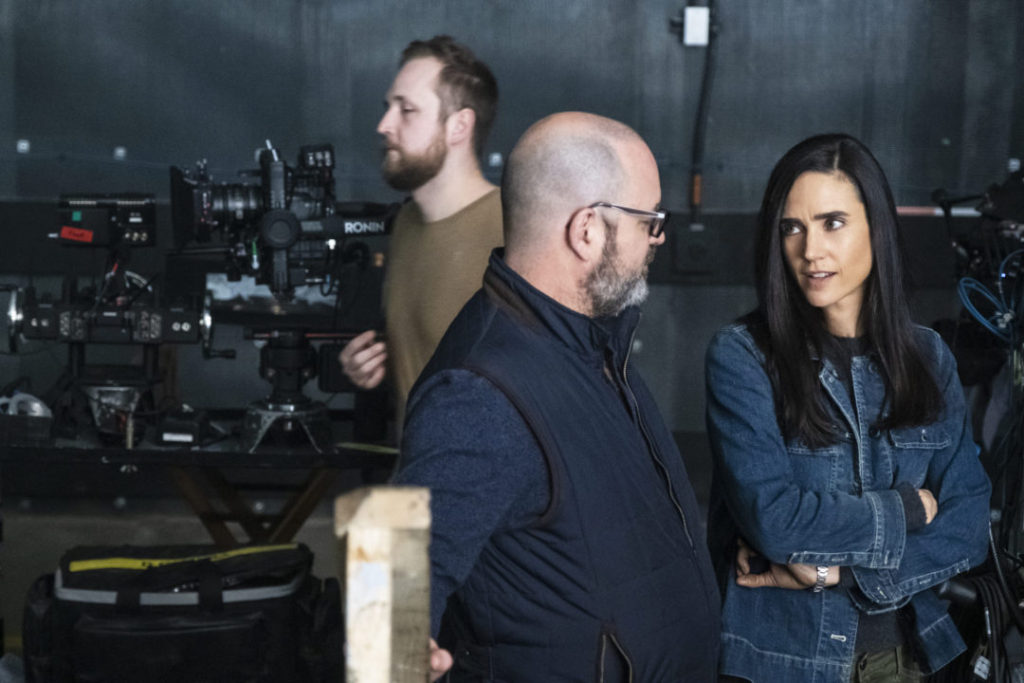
929	437
912	451
819	468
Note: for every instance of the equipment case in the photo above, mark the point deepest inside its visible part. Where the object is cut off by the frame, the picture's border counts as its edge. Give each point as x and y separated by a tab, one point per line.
183	613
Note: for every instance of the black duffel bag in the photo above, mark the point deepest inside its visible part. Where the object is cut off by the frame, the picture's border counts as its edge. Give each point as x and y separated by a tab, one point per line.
185	614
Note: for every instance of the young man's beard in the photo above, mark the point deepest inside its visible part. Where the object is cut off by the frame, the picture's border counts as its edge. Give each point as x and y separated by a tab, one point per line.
405	172
611	291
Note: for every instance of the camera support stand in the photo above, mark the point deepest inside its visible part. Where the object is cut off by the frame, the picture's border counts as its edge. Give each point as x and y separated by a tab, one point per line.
312	419
287	362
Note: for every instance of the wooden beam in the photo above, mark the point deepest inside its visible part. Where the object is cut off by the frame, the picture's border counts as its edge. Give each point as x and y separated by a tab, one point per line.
301	504
384	534
200	503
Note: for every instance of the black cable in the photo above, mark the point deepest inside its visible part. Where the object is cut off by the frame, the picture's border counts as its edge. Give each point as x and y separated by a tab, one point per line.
1018	560
1002	454
146	285
1011	502
330	261
991	622
700	128
999	628
110	274
1011	601
996	625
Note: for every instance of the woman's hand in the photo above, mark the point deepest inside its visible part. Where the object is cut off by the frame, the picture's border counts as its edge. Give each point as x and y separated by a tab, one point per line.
931	507
793	576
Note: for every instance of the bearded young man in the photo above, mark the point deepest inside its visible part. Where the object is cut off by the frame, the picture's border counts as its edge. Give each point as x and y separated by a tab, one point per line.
566	541
438	113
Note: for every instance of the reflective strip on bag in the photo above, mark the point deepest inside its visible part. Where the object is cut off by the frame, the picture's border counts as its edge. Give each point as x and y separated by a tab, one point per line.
101	597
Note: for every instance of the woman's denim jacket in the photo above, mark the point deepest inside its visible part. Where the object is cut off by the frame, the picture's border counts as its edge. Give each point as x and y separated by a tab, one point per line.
836	506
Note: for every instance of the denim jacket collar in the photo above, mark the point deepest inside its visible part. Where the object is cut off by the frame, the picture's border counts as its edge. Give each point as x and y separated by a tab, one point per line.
864	375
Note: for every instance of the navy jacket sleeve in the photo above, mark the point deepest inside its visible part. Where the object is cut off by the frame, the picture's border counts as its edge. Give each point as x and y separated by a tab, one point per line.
465	441
785	522
958	536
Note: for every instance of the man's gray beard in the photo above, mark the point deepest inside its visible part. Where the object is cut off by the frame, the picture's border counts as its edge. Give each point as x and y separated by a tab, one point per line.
609	291
410	172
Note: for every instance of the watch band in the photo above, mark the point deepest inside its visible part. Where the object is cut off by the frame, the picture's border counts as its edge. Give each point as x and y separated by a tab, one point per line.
819	583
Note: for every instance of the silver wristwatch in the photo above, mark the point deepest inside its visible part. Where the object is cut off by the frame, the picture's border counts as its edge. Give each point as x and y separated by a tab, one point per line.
819	583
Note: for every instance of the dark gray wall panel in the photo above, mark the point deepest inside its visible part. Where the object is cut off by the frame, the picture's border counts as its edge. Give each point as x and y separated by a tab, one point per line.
7	151
1015	80
989	71
170	82
935	87
932	85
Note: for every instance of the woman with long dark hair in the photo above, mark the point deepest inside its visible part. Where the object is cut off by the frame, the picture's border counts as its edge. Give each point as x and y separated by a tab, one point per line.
847	485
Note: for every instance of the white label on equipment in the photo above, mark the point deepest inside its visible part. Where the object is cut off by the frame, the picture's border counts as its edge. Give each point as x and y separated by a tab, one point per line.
179	438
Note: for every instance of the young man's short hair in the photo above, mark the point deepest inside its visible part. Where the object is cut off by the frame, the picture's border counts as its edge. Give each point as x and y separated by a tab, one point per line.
464	81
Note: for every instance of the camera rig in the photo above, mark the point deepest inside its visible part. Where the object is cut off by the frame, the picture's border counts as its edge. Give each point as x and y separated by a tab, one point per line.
286	230
282	228
124	308
120	308
275	253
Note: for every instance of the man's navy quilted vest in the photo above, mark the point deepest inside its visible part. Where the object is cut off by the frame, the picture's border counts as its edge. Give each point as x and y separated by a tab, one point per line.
614	582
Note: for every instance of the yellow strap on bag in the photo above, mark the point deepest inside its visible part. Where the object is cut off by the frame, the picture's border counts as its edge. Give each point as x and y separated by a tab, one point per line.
140	563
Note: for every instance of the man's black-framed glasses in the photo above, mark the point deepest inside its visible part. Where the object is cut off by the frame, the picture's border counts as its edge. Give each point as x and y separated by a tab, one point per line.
657	219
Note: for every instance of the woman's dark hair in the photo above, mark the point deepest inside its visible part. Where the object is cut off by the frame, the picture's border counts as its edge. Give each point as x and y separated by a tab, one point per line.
792	331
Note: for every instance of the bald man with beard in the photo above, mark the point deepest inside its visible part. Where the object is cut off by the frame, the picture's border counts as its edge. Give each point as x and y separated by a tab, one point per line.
566	541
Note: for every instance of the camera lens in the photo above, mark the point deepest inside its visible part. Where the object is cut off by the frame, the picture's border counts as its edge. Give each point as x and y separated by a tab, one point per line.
234	203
